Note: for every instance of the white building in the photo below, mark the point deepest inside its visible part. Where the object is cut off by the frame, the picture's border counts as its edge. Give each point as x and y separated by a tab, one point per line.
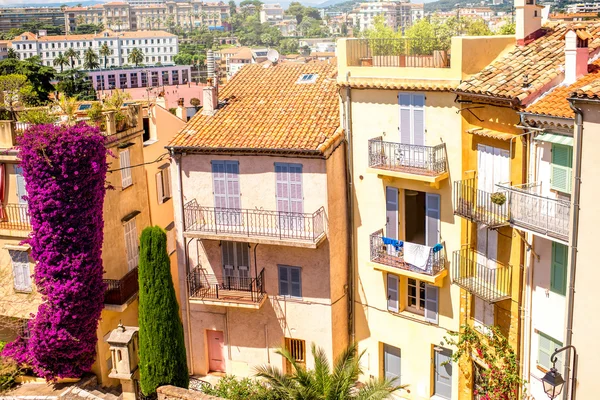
583	7
157	47
126	78
397	15
271	13
4	44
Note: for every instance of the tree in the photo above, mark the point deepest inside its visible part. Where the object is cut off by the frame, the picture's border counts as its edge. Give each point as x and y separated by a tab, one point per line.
11	53
478	28
71	55
135	57
162	361
88	29
288	46
507	29
16	89
76	84
339	383
60	61
90	59
65	172
39	76
104	52
68	106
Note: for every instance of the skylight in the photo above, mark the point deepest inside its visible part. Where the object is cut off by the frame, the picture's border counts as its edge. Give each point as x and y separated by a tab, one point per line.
308	78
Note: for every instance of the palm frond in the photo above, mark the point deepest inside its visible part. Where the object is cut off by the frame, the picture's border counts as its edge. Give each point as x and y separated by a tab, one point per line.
378	389
322	371
281	383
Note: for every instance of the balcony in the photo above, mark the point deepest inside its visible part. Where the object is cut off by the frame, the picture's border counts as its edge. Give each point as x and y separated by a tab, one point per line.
256	226
483	278
15	217
390	257
531	211
401	52
479	206
226	291
121	292
406	161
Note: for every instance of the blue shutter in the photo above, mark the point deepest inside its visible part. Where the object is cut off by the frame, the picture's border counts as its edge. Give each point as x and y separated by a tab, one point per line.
283	281
296	282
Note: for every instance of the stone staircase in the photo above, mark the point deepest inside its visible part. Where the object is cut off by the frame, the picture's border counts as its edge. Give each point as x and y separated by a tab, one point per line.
93	393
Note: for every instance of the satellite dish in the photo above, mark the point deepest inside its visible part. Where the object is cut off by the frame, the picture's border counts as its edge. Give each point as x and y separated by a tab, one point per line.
273	55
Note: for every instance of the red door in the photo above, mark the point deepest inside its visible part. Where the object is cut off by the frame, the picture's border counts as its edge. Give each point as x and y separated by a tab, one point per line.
216	351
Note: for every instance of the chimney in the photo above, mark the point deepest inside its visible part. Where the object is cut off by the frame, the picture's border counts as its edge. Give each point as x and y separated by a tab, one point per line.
180	111
42	33
162	101
576	54
210	99
528	21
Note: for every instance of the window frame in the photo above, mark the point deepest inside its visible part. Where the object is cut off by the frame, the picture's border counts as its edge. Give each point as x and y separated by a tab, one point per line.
135	245
288	269
126	175
419	296
21	268
553	262
163	184
548	352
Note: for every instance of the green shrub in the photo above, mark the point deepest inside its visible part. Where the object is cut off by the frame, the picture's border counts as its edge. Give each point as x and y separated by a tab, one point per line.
232	388
37	117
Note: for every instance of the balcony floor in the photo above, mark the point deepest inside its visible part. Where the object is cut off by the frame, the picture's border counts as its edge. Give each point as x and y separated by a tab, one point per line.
229	298
414	174
399	267
480	215
480	289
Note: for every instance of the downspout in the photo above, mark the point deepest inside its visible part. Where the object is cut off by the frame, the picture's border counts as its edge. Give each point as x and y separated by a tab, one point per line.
573	249
350	200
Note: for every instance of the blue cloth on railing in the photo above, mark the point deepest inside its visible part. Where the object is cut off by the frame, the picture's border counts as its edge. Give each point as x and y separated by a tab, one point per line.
393	242
437	247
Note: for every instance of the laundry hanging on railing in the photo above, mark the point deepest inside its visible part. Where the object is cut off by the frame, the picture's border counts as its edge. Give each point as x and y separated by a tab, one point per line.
417	255
398	244
437	248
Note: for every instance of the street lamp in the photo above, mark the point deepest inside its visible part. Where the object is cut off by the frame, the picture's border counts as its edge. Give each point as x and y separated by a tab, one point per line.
553	381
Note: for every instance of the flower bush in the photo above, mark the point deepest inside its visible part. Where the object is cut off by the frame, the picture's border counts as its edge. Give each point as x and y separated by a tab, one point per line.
64	170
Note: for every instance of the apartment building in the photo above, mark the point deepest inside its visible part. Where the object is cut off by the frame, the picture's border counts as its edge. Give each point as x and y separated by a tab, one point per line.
156	46
16	17
127	16
404	126
4	46
263	251
271	13
397	15
583	8
131	77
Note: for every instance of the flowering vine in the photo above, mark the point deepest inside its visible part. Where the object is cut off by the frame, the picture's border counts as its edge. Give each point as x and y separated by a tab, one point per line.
64	169
500	379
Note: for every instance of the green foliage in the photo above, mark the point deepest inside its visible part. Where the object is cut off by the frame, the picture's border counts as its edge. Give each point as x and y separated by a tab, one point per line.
104	52
243	389
94	113
501	380
288	46
16	89
507	29
87	29
325	382
478	28
9	371
90	59
162	348
311	27
76	84
37	116
257	3
61	61
72	55
38	76
135	57
299	11
195	102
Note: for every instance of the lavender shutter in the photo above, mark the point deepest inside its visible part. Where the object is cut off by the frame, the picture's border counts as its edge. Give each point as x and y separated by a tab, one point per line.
283	187
219	191
233	184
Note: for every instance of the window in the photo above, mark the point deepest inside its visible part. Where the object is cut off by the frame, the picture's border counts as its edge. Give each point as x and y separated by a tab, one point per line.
560	169
558	271
236	261
21	272
422	299
21	190
171	240
131	244
546	346
483	315
412	122
392	292
289	187
308	78
392	363
125	162
290	283
163	184
297	349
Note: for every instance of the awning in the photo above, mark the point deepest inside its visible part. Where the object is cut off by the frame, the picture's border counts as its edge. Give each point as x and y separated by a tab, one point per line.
489	133
556	139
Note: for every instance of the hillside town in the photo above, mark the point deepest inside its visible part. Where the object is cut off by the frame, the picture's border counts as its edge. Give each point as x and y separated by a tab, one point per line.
259	201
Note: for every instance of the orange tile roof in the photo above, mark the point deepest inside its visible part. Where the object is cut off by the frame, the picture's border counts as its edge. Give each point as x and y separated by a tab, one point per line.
490	133
541	62
401	84
555	104
91	36
266	110
590	90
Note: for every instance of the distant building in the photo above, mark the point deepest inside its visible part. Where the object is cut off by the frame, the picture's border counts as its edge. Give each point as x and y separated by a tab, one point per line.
397	15
130	78
582	16
157	46
287	27
271	13
233	59
583	8
11	18
4	45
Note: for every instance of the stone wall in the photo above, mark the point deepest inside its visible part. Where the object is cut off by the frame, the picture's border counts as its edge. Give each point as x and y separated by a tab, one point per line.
176	393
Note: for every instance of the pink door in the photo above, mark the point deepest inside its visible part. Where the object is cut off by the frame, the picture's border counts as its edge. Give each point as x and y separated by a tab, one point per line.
216	353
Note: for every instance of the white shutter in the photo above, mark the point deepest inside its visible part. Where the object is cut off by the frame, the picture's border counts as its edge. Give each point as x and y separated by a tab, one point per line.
159	188
391	199
21	271
131	244
392	292
418	118
432	214
125	164
21	191
219	191
431	303
405	102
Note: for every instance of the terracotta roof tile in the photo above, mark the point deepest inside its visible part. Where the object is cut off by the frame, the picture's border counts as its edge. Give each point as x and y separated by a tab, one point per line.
555	103
266	109
526	70
401	84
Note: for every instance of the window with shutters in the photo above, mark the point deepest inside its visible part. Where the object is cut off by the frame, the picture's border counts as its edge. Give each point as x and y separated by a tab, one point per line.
546	346
21	191
21	272
560	168
297	349
392	363
131	244
422	299
171	240
163	184
236	261
226	191
558	268
392	293
125	166
412	118
290	281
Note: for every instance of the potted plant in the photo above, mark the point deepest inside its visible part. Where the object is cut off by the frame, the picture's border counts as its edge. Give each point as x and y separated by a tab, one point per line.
498	198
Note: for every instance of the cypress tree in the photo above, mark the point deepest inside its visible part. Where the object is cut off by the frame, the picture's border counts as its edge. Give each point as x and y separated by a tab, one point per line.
162	347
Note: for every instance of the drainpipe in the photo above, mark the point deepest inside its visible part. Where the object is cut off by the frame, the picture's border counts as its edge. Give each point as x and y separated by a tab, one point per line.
350	199
573	249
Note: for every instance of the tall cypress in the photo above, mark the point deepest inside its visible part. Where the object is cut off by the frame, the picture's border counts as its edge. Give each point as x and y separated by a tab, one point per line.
162	347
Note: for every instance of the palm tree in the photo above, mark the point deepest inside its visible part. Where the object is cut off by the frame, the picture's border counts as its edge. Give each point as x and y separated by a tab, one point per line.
71	55
61	61
68	106
104	52
150	22
90	59
135	57
341	383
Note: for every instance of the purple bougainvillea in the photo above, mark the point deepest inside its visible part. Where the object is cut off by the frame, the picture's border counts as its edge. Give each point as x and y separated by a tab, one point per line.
65	170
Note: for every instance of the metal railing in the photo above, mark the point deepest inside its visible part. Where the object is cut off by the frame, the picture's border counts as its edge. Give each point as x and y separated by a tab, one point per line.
255	223
15	216
208	286
530	210
393	256
484	278
480	206
119	291
400	52
422	160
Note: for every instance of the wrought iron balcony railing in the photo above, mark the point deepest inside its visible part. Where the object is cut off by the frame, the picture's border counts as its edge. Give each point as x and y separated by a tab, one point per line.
15	216
392	255
226	288
119	291
255	223
530	210
401	52
420	160
480	206
484	278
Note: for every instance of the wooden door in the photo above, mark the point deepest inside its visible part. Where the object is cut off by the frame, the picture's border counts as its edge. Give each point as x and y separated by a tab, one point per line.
216	351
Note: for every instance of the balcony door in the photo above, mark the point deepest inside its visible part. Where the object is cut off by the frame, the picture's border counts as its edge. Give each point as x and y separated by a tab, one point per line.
412	152
226	189
236	264
486	274
290	200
